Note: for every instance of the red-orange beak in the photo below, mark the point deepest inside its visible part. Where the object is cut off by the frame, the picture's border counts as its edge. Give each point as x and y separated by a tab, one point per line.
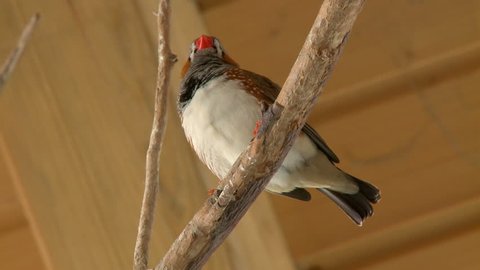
204	42
201	43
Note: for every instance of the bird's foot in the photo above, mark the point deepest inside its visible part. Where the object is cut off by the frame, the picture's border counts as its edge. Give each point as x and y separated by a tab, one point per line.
257	127
214	191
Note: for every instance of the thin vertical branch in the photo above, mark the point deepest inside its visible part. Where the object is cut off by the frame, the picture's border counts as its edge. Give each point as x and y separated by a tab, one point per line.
11	62
165	62
281	124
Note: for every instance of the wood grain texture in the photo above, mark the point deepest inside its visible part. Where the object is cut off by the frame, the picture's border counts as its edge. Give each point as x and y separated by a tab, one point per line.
16	239
18	249
455	252
77	131
408	237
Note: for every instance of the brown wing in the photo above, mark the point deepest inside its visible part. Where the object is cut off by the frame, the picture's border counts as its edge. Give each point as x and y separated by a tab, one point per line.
259	86
267	91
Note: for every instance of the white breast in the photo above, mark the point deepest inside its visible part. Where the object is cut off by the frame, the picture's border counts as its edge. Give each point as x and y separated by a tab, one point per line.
219	123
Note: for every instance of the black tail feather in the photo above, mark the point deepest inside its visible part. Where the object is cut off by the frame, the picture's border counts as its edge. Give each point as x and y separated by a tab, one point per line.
357	206
368	190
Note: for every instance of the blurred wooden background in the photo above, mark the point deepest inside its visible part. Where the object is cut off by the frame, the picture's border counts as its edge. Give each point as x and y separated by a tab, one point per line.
402	110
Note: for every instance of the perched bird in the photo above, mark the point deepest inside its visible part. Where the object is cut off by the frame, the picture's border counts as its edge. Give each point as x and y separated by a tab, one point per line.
220	105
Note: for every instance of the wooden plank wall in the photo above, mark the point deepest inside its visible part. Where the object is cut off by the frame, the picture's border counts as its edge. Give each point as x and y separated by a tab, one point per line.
15	233
74	127
402	110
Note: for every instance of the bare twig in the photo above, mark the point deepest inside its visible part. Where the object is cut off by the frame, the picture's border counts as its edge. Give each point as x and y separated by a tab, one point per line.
254	168
165	62
14	56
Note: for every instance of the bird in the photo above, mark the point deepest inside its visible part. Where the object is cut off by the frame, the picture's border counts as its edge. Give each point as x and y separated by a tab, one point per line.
220	106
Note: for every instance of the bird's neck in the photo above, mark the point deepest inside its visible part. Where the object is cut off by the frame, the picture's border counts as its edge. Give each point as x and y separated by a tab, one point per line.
203	69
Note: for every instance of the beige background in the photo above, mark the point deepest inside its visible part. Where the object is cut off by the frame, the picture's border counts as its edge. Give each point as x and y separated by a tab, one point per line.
401	110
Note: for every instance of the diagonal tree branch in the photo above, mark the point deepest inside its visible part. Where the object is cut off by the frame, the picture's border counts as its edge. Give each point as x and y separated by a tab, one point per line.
165	62
11	62
281	124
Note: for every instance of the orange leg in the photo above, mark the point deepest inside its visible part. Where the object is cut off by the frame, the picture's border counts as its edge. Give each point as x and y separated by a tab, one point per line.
211	191
257	127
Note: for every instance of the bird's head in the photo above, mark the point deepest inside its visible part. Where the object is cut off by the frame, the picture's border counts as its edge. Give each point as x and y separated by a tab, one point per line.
206	45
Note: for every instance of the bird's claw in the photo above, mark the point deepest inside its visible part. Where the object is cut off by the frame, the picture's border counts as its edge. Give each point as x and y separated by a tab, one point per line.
215	191
257	127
